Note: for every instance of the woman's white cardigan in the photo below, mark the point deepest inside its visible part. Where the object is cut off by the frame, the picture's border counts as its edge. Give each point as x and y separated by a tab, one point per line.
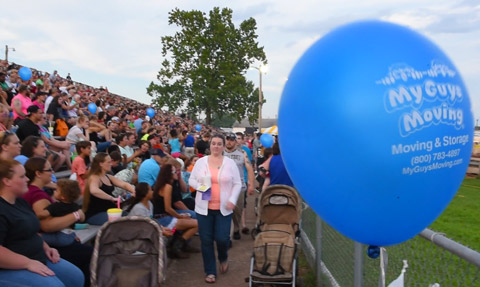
229	182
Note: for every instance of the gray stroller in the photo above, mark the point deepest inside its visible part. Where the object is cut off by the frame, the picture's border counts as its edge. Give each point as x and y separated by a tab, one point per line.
128	252
274	259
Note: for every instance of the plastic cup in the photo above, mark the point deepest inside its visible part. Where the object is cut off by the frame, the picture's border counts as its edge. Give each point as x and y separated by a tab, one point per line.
114	214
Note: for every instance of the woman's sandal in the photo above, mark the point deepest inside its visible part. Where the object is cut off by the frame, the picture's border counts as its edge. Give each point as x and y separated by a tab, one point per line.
224	267
210	279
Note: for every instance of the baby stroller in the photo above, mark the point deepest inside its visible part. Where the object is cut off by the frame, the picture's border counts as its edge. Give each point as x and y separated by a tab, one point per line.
274	259
128	252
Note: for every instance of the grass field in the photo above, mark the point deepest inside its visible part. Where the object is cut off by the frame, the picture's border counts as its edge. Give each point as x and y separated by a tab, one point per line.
461	220
428	263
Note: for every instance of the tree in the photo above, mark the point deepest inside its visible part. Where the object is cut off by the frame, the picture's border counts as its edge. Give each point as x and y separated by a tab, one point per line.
225	121
205	63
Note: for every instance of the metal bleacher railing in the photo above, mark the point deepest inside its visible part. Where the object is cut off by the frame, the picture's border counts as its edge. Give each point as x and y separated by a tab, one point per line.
433	259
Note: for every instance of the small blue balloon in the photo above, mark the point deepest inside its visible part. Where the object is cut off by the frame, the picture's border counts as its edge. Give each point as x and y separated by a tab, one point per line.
92	108
266	140
138	124
150	112
25	73
386	100
373	252
198	127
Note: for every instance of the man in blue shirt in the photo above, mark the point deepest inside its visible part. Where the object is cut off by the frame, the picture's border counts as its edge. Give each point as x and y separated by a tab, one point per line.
189	144
150	168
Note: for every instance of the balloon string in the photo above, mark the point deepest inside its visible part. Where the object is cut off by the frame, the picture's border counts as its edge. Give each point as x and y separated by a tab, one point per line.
383	266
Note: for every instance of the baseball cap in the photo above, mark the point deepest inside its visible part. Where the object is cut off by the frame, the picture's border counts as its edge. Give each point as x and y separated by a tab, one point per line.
39	82
33	109
152	136
158	152
231	136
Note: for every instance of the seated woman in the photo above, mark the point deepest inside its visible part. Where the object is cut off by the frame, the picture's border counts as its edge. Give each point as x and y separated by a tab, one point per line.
62	147
166	214
99	133
34	147
25	259
39	172
78	133
98	194
9	145
179	188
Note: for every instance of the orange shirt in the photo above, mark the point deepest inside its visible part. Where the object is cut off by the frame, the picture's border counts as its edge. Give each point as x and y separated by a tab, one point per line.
214	202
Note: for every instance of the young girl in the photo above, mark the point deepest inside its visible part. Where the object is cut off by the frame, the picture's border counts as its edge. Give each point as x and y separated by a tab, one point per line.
142	206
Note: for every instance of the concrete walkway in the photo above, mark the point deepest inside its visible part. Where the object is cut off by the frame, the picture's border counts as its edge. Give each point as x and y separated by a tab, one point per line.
189	272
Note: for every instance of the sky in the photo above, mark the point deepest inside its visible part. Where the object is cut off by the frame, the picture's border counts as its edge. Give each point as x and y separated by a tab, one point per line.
118	43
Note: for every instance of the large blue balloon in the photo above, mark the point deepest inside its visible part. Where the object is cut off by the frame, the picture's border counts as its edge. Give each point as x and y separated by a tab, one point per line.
266	140
25	73
198	127
150	112
387	117
92	108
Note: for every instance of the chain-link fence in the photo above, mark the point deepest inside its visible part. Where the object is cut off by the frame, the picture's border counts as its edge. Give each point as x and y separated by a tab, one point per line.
345	263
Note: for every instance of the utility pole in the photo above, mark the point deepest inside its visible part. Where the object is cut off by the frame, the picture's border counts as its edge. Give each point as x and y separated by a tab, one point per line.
6	52
260	101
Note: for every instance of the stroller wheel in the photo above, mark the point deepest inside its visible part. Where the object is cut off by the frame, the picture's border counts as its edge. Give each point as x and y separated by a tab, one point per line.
254	233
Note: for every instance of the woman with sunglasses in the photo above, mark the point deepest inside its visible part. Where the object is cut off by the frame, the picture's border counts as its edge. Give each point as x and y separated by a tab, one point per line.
9	145
25	259
167	216
39	173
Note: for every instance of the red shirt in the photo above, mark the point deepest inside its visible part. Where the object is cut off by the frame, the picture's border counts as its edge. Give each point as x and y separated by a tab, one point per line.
35	194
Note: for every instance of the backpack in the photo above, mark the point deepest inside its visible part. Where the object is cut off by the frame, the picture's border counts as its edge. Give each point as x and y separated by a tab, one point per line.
274	249
61	128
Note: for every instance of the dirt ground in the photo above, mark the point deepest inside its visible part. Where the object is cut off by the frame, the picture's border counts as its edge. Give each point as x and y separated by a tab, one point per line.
189	272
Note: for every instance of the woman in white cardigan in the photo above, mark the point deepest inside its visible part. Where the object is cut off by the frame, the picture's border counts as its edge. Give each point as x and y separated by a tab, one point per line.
217	181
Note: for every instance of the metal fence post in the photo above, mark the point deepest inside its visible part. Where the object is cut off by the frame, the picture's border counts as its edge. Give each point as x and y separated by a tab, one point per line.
318	250
358	267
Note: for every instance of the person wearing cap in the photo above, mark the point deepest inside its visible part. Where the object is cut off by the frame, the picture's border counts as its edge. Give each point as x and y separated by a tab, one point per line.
28	127
20	103
240	158
150	168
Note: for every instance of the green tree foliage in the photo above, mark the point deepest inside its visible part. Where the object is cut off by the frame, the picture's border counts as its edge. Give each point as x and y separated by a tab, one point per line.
222	122
205	63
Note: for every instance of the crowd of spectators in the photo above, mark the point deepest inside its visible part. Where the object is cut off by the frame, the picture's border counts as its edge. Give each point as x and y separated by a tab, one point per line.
116	152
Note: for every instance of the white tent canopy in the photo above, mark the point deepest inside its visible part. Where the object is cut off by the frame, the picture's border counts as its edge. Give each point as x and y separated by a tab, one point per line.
273	130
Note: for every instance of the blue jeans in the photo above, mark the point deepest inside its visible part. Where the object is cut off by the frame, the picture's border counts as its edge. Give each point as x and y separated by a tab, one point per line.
66	275
214	227
58	238
192	213
102	146
98	219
